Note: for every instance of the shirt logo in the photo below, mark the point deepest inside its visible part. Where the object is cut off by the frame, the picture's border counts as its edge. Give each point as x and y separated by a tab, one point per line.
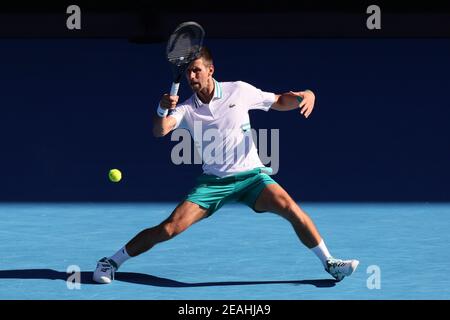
231	105
245	127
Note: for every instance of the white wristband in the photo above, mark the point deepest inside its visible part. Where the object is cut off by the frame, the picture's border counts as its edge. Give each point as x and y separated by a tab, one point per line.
162	112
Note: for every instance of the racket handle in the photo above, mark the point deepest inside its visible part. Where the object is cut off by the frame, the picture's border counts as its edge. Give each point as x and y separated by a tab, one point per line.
174	89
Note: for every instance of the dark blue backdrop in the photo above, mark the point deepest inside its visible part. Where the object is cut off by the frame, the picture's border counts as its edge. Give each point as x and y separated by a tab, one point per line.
73	109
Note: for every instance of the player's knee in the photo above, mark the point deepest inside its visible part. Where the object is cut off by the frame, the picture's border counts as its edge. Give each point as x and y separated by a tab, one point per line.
289	209
285	205
171	229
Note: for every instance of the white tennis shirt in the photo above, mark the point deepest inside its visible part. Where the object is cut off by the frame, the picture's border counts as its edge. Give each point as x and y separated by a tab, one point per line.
221	129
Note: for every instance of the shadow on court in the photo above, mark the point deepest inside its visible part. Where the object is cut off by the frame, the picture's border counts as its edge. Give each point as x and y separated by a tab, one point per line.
145	279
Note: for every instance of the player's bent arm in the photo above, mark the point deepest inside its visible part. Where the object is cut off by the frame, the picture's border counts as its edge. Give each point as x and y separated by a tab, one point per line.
292	100
285	102
163	125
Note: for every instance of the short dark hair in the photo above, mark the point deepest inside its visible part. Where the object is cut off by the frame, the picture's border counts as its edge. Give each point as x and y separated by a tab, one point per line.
206	55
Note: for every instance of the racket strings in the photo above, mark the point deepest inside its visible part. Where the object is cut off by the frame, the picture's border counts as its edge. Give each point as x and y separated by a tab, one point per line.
184	44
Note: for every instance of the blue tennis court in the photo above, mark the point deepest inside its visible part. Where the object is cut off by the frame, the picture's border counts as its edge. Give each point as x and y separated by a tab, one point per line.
235	254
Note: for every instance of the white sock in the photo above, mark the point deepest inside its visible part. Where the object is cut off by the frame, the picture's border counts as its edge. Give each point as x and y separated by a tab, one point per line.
120	256
321	252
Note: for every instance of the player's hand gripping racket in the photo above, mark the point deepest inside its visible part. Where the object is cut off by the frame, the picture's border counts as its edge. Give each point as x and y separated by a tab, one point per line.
183	47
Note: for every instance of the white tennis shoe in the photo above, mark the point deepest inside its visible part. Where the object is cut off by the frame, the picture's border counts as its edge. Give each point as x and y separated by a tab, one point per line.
341	268
104	273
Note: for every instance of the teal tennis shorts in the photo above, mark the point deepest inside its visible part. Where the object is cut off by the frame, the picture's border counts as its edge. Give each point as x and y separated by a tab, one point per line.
212	192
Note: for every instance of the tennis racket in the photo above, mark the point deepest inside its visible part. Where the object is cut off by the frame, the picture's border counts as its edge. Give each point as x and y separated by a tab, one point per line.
183	47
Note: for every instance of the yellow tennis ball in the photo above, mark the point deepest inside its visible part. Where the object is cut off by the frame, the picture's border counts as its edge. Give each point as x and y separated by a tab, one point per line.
115	175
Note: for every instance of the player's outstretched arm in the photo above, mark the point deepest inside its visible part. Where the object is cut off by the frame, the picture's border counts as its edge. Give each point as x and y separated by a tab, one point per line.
163	124
304	100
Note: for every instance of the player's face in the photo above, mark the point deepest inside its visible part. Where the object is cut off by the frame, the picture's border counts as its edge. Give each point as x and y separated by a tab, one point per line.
199	75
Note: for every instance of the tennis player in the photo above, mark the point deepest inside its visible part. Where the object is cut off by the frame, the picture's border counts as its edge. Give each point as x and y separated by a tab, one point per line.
223	107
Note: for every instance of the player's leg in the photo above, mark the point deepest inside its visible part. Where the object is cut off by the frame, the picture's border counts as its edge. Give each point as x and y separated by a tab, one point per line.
184	215
274	198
